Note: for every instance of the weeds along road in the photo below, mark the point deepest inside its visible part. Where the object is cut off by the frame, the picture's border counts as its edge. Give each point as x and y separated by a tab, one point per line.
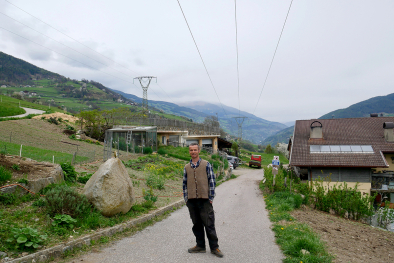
242	226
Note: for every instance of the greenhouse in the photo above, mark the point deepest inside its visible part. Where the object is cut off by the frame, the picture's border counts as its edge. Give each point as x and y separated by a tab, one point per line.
133	139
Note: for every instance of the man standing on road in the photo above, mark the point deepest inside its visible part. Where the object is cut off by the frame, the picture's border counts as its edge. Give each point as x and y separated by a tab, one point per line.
198	191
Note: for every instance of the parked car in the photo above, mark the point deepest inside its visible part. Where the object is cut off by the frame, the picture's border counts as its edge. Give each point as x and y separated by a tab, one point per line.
234	160
231	165
255	160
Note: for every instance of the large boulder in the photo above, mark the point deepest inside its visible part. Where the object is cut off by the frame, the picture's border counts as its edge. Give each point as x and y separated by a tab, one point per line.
110	189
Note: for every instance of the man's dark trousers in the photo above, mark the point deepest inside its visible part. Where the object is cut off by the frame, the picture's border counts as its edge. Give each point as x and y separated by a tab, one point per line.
202	215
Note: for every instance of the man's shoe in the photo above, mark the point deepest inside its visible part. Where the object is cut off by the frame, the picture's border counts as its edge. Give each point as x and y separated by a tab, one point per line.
196	249
217	253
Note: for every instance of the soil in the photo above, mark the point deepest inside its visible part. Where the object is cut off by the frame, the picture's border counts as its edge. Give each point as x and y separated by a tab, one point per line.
58	115
349	241
28	169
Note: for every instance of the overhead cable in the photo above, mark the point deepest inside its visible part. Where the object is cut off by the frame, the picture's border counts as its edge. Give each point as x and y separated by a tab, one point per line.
273	57
236	44
71	37
195	43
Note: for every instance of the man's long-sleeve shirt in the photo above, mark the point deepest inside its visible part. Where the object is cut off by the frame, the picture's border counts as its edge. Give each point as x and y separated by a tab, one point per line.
211	180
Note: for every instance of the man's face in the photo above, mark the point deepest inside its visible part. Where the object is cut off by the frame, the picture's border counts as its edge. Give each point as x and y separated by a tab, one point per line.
194	151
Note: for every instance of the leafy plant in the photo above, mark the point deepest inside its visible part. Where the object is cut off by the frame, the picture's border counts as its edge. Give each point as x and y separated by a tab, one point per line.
385	216
16	167
26	238
23	181
84	179
69	127
64	221
65	200
149	196
155	181
72	137
53	120
70	175
161	151
5	175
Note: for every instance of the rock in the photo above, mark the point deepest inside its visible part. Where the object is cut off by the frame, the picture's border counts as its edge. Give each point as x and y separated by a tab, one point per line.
42	258
3	254
110	189
304	252
6	259
24	254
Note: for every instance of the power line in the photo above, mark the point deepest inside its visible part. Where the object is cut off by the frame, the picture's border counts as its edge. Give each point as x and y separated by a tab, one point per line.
273	57
195	43
90	67
236	44
61	43
70	37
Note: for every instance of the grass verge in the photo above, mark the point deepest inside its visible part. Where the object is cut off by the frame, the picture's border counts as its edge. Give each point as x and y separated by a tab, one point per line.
297	241
38	154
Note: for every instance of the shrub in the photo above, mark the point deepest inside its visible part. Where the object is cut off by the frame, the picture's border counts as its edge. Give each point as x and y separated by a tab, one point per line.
149	196
53	120
23	181
26	238
84	179
69	127
7	198
15	167
161	151
72	137
155	181
65	200
70	175
39	202
5	175
148	150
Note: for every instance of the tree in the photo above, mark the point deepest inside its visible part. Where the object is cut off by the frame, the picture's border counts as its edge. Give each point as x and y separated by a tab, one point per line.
235	148
268	149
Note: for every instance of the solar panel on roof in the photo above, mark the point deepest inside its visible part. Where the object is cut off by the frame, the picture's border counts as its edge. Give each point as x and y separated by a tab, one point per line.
356	148
335	148
367	148
345	148
315	148
325	148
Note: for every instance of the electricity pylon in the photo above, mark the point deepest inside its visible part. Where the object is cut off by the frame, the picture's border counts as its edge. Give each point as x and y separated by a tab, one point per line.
239	121
146	80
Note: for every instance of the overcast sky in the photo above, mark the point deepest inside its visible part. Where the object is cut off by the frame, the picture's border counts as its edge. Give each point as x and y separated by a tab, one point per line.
332	53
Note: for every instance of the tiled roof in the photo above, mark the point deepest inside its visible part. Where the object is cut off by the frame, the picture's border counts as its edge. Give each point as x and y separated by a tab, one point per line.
351	131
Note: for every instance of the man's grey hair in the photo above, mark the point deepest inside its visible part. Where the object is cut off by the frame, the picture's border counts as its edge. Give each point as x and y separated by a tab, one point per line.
193	144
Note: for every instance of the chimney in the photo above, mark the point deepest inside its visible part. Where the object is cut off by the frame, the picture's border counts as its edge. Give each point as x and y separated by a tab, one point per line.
388	131
316	130
373	115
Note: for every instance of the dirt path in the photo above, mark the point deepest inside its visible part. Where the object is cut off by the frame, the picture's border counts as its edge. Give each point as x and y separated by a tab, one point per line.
242	225
349	241
28	111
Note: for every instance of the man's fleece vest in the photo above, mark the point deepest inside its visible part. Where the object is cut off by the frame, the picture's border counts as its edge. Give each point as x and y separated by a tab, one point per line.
197	181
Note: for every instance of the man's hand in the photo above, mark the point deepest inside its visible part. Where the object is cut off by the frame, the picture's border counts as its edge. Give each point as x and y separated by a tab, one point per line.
210	202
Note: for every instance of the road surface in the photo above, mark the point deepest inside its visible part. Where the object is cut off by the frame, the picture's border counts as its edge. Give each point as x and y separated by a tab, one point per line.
242	226
28	111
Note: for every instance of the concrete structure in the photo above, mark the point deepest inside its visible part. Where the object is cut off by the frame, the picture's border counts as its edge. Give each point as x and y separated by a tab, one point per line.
182	138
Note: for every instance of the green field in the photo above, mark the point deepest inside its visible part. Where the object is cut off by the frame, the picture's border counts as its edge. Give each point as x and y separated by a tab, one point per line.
38	154
5	100
7	109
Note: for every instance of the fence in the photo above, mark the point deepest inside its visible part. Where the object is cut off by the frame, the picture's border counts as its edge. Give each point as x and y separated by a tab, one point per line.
177	125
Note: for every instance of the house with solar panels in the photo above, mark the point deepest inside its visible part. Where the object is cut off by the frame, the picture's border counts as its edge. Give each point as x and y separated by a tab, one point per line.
351	150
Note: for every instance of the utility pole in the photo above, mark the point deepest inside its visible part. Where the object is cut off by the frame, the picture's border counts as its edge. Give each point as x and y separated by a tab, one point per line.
145	82
239	121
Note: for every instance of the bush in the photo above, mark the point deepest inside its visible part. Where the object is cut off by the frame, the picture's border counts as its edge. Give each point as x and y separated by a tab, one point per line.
39	202
84	179
155	181
70	175
65	200
148	150
5	175
7	198
149	196
161	151
15	167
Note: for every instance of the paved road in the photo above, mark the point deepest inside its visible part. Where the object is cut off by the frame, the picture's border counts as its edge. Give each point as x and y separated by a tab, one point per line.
242	226
28	111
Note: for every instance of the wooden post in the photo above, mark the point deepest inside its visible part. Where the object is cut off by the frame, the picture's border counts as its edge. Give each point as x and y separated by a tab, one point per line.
53	159
20	151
